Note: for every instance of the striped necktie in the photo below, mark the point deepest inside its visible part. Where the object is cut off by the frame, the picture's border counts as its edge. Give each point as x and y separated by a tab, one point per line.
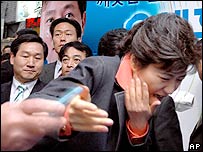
19	96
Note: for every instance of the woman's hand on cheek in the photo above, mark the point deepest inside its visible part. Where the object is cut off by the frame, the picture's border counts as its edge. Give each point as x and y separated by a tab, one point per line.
137	103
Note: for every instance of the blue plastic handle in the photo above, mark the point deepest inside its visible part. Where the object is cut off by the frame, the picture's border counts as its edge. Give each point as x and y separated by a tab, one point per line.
70	94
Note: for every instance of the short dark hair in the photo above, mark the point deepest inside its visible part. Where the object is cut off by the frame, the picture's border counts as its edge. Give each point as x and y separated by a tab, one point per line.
77	45
6	46
165	39
28	38
26	31
82	6
66	20
108	42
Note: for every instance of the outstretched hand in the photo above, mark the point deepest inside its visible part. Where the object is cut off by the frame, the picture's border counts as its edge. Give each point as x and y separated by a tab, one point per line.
86	116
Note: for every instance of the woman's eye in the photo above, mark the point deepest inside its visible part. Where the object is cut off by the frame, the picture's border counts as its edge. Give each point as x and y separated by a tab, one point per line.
165	79
180	79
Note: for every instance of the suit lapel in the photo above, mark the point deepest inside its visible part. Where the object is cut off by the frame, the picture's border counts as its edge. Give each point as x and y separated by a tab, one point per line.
38	86
119	96
51	70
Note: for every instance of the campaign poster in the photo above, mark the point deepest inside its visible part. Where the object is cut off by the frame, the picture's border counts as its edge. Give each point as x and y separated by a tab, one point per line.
103	16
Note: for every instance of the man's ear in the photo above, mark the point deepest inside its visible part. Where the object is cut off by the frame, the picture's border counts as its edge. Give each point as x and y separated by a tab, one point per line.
52	43
83	22
12	58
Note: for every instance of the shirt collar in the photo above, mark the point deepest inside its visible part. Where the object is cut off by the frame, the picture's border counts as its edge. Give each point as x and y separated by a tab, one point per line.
124	73
58	64
57	70
28	85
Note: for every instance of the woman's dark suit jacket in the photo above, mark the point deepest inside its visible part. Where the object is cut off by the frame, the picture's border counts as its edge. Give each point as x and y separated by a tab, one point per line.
98	73
195	143
47	73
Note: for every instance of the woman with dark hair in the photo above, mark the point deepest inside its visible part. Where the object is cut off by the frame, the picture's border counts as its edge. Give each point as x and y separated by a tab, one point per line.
131	90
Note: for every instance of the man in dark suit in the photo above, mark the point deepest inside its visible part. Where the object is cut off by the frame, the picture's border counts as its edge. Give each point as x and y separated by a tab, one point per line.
28	53
6	67
71	54
63	30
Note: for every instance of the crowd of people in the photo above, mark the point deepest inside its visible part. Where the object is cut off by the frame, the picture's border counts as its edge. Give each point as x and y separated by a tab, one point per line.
125	102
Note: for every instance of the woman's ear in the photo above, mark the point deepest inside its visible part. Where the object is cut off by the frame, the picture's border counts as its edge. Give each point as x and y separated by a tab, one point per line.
133	63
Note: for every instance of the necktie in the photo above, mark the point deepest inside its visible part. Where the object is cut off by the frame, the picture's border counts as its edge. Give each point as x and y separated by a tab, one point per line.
19	96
